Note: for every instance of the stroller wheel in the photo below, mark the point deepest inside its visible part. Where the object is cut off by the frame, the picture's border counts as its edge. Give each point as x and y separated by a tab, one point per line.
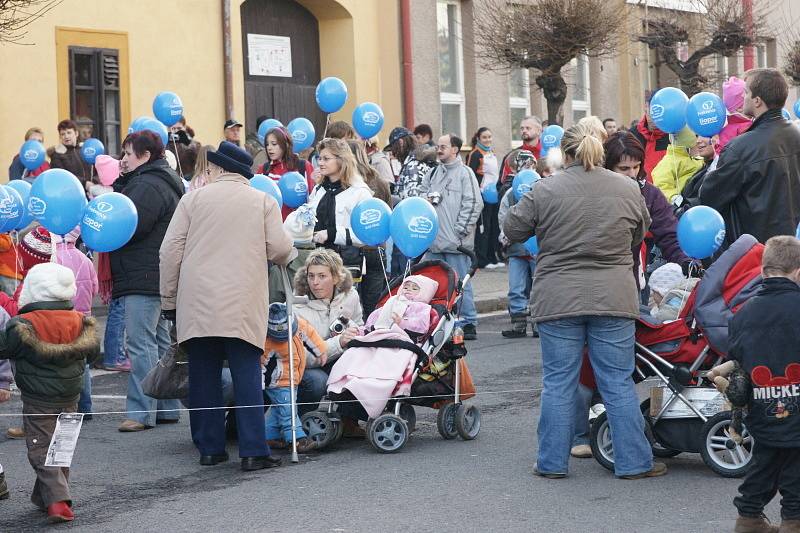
658	449
408	414
720	452
468	421
446	421
600	441
319	428
388	433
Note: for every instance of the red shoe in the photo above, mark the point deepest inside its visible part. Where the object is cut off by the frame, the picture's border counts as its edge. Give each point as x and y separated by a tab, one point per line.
59	512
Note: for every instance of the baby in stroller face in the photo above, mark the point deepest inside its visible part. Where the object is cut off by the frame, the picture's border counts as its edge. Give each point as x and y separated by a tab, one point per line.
409	309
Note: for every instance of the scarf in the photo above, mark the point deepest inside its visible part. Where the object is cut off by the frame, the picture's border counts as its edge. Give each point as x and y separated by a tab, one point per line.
326	209
104	276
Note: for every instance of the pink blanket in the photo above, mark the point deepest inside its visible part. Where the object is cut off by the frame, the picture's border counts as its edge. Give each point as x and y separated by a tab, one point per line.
373	375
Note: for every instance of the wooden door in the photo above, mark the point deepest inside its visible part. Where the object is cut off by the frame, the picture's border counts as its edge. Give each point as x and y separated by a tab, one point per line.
280	96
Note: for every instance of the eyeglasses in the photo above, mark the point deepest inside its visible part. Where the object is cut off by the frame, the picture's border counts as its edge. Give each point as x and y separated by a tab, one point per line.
444	147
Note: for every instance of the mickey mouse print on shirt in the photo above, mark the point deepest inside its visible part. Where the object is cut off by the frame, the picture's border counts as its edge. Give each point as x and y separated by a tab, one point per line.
782	390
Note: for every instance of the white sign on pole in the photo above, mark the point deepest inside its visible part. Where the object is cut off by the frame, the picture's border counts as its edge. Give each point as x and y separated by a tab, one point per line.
269	55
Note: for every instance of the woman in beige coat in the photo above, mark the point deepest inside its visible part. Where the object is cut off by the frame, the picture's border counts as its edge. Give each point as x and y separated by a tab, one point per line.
214	279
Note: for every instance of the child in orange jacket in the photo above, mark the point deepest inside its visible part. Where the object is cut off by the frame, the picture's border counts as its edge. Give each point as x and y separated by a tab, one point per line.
277	374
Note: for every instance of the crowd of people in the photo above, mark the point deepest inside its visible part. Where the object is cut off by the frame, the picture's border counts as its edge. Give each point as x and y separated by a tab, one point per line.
192	266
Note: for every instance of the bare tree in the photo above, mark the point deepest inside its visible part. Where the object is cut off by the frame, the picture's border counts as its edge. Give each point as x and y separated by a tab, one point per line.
17	15
545	35
718	27
792	62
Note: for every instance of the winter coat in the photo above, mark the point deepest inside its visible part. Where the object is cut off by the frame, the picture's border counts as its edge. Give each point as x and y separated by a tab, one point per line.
10	266
416	317
482	162
460	206
85	275
735	126
51	345
321	314
655	145
214	260
674	301
416	166
155	190
307	344
507	173
764	336
276	169
756	185
515	249
69	158
16	170
277	292
380	162
674	170
587	223
346	201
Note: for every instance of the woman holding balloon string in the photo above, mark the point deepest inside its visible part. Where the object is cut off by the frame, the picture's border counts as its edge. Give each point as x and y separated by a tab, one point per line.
282	159
484	165
21	167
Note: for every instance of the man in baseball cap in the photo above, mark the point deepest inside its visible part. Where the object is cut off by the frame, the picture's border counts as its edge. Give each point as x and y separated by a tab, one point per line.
233	131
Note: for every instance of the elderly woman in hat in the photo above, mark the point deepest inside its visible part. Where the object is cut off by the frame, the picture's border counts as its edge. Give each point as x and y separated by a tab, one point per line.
214	282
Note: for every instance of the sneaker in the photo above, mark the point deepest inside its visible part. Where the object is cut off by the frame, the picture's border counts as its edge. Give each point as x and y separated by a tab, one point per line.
59	512
756	524
581	451
595	411
548	475
470	332
659	469
3	487
124	366
131	426
517	331
491	266
15	433
499	264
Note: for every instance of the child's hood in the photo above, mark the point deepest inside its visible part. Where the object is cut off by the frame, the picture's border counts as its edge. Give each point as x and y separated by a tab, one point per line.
427	288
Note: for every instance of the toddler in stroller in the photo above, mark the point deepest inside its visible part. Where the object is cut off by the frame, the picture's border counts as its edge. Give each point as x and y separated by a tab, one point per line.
372	380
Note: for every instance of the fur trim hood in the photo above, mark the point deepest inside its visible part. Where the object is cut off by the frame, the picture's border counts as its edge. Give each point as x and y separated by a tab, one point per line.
86	342
301	287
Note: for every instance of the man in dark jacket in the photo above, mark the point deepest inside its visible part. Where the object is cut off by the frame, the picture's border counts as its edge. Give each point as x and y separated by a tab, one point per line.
67	155
765	340
756	185
155	190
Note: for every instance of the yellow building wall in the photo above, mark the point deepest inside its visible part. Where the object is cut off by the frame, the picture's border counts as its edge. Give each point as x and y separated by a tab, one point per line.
177	46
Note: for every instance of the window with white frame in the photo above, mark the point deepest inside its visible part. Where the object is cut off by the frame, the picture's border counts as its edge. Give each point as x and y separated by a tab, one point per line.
451	66
580	90
761	56
519	101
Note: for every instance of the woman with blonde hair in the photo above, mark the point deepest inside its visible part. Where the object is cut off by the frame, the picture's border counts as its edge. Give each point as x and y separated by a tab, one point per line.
380	189
587	220
202	172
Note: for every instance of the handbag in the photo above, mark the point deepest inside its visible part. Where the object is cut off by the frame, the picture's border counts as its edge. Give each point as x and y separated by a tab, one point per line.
353	259
169	379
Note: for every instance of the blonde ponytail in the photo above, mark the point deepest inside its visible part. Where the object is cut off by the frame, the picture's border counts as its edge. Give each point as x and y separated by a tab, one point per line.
581	143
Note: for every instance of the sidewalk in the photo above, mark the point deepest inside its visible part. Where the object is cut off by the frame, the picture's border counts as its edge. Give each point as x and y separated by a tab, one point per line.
491	290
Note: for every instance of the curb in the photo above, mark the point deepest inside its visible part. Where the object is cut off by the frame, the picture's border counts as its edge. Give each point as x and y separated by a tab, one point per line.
490	305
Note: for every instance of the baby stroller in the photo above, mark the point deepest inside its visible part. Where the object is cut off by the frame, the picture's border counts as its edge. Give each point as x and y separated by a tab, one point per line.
684	412
436	383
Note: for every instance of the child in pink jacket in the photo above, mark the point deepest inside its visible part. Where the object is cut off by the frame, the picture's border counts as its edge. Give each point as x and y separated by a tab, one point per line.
733	95
409	308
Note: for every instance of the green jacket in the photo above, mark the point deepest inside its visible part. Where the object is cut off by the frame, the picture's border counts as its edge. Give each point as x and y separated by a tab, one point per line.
51	358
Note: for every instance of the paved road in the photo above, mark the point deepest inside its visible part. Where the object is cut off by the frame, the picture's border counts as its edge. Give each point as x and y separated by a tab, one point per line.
151	481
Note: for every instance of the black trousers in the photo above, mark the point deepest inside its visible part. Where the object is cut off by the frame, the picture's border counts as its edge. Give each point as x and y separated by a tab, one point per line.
771	470
487	234
373	281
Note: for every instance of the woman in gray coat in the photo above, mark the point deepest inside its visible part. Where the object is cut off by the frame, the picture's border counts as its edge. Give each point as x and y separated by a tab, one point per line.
586	219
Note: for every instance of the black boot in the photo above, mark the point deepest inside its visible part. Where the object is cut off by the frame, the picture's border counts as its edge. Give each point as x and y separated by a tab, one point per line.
519	327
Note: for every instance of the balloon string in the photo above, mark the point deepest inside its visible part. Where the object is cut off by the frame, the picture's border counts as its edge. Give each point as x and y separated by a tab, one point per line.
178	159
327	123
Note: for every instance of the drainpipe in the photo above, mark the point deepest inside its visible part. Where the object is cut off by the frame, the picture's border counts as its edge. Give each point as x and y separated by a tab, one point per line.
227	57
408	63
749	55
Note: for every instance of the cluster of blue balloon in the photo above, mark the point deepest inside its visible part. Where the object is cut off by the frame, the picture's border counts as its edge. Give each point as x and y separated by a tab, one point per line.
412	225
168	110
290	190
671	110
551	137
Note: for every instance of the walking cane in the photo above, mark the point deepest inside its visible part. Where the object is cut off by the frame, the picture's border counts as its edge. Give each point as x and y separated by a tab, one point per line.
287	287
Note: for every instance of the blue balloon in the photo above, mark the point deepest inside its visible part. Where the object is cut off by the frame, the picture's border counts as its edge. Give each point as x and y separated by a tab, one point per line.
331	94
797	109
57	200
797	232
267	185
302	132
706	114
23	188
168	108
523	182
136	124
367	120
156	127
490	194
532	245
32	154
551	136
701	231
90	149
264	128
109	222
414	226
668	109
786	114
370	220
11	209
294	189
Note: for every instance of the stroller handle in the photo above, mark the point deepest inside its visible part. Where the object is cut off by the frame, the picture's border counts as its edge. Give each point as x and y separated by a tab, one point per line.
473	267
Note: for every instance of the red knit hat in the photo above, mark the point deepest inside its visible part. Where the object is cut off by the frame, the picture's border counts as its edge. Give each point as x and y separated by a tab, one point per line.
35	248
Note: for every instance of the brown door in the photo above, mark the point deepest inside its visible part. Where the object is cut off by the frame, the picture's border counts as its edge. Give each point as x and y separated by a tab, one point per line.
268	89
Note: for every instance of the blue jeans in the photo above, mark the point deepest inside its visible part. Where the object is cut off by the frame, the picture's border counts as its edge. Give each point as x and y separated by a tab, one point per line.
279	419
85	401
520	282
206	357
461	264
583	401
312	388
611	343
114	340
148	341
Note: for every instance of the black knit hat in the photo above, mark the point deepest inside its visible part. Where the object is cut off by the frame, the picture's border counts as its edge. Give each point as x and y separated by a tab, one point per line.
233	159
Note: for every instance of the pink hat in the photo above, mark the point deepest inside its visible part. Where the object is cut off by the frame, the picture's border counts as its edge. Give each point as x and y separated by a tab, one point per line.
107	169
427	288
733	94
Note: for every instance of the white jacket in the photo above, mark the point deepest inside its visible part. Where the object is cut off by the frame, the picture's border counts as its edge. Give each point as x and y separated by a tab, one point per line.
346	201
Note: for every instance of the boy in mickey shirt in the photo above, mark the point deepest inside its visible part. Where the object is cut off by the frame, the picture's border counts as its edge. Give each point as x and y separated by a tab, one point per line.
765	340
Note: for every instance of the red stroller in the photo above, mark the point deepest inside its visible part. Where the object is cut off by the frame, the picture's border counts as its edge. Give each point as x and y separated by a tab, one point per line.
684	412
